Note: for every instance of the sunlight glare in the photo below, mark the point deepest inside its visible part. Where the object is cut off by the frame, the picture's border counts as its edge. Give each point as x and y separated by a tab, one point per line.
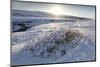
56	10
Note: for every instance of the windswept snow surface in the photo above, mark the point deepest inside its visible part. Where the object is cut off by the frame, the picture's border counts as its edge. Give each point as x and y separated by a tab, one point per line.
45	43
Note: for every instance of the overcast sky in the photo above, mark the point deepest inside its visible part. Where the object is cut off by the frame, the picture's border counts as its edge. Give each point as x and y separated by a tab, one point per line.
75	10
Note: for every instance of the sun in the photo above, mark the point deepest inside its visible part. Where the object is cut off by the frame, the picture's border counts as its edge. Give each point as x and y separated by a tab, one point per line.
56	10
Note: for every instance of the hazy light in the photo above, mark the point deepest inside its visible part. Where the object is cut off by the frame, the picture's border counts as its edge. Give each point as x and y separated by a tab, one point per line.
56	10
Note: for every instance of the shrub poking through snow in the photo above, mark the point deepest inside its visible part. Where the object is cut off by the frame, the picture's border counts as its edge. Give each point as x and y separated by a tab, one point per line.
57	44
70	35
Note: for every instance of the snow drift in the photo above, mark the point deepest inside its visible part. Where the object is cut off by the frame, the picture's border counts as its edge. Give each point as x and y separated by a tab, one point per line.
51	43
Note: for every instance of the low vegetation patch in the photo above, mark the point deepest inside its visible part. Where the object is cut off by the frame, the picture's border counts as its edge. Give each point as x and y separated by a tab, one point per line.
56	45
68	37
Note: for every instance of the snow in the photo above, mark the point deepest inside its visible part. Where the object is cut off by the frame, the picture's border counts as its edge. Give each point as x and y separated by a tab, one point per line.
45	43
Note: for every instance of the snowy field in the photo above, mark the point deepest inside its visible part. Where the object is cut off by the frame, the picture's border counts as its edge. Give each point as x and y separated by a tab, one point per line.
52	43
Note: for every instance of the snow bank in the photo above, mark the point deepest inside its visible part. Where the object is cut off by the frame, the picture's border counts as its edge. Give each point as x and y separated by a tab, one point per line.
51	43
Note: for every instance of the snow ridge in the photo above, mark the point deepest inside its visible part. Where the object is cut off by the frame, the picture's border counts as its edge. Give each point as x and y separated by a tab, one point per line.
51	43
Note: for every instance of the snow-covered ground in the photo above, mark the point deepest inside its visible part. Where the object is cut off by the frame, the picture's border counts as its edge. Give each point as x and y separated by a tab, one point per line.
46	43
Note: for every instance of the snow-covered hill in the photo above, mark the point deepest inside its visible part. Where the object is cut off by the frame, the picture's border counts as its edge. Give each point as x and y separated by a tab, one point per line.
23	20
22	13
54	43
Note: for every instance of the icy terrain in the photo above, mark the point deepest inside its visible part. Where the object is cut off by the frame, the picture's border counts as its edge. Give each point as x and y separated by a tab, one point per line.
51	43
23	20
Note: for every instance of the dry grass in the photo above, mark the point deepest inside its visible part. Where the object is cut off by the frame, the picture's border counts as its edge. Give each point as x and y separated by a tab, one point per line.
68	37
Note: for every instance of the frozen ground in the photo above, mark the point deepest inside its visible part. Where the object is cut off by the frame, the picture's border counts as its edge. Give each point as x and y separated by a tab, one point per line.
45	43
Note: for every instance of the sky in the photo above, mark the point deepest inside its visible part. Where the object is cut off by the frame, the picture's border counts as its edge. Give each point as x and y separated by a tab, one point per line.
57	9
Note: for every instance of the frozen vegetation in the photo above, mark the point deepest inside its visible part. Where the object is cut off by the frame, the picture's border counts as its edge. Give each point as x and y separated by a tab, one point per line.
55	42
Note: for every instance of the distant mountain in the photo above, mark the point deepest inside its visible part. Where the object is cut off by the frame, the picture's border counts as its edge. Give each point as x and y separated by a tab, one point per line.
75	17
23	20
23	13
30	13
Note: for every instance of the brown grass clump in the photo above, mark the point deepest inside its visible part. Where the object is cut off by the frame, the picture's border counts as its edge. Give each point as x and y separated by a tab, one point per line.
70	35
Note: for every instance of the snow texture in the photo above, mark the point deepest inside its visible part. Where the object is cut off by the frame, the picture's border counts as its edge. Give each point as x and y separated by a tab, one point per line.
41	41
46	43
